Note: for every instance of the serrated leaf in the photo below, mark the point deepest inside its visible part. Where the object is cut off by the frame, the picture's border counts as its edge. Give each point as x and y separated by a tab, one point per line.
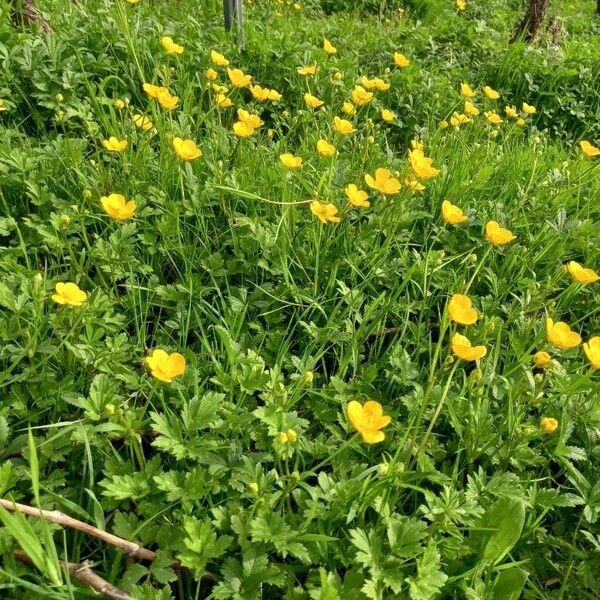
429	579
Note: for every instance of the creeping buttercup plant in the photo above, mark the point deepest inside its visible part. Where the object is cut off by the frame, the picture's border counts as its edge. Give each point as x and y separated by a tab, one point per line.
315	318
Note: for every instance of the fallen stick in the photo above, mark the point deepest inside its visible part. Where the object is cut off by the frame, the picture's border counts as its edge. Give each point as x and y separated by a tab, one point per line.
82	573
55	516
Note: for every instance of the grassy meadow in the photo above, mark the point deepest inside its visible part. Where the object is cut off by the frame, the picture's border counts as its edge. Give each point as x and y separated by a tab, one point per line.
312	318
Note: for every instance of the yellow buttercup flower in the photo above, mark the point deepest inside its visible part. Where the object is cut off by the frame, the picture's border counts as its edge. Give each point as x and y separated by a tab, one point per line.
154	90
360	96
290	161
356	197
142	122
374	84
493	117
118	104
560	335
68	293
460	4
592	351
491	93
325	149
458	119
510	111
541	359
548	424
413	184
222	101
165	366
461	347
520	122
421	164
452	214
383	182
113	144
368	420
343	126
400	60
117	206
259	93
471	109
325	212
387	115
466	91
308	70
443	124
186	149
337	76
170	46
498	235
132	1
218	59
349	108
417	145
528	109
329	47
588	149
312	101
460	309
249	119
243	130
211	74
167	100
581	274
274	96
238	78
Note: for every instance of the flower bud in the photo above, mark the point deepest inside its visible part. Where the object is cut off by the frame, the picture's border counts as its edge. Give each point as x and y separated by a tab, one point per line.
282	437
292	436
309	376
64	220
541	359
382	469
253	488
548	424
110	408
87	194
59	98
475	375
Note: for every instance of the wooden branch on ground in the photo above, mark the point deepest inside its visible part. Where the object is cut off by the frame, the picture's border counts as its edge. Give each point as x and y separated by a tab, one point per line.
532	20
54	516
82	573
26	12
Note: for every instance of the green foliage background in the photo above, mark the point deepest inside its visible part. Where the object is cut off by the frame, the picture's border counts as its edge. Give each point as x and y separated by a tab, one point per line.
256	294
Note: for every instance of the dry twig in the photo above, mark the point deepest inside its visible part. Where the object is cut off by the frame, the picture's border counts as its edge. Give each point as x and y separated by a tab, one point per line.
82	573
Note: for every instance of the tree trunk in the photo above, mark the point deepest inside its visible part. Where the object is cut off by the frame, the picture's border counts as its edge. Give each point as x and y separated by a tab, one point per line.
528	26
25	12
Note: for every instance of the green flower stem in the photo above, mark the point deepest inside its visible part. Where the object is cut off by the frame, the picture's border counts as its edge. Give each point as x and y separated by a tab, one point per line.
436	414
343	447
478	268
432	370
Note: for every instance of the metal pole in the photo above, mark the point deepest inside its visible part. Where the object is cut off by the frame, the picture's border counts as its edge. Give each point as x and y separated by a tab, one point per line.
239	21
228	9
